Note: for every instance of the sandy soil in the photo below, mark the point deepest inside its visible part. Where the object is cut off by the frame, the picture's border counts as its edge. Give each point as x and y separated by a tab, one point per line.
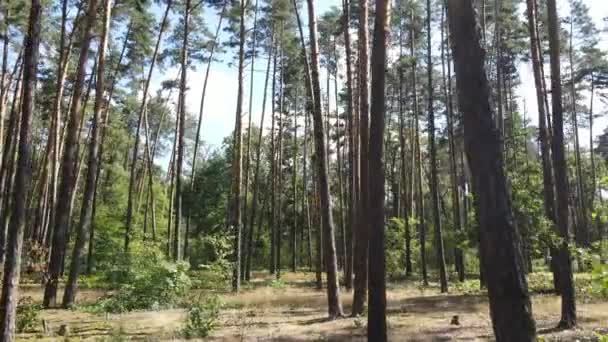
297	312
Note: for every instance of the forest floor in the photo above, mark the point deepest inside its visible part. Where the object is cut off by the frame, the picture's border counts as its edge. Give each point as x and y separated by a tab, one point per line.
294	311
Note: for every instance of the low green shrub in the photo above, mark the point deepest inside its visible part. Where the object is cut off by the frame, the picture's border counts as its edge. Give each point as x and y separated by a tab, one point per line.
28	315
202	317
145	280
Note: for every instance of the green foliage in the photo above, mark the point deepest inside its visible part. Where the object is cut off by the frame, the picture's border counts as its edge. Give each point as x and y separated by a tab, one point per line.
202	317
145	280
28	315
209	256
278	284
599	276
395	247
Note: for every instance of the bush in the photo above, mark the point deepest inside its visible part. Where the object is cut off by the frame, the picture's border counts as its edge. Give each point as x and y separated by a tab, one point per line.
28	315
201	317
599	277
145	280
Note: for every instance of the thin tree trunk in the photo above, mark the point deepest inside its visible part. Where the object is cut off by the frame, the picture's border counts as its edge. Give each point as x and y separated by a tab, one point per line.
237	170
142	108
352	214
434	182
564	263
582	229
419	196
510	306
69	169
447	87
362	229
258	154
89	191
545	147
333	288
12	266
8	155
247	230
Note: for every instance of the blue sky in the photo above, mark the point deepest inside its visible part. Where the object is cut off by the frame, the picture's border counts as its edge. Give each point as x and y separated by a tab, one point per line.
220	102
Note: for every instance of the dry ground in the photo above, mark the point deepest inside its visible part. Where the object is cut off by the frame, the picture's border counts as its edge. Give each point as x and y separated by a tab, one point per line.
297	312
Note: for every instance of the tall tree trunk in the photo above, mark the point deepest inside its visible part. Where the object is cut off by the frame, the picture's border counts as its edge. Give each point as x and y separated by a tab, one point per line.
235	210
331	263
352	206
273	171
362	229
510	306
447	87
543	136
248	229
443	277
8	156
105	120
93	164
142	108
279	227
258	154
177	201
309	108
12	266
69	169
376	319
294	184
581	229
419	196
564	263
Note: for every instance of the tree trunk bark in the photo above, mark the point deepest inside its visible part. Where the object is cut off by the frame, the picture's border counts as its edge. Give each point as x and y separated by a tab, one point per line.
12	266
362	229
420	216
443	277
564	262
510	306
376	319
258	154
93	164
333	288
544	135
235	217
142	108
69	162
447	87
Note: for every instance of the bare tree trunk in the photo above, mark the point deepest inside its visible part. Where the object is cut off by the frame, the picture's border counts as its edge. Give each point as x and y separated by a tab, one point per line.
545	145
69	169
564	263
447	87
90	183
333	288
177	201
294	230
258	154
273	172
362	229
105	120
142	108
352	205
376	319
237	170
419	196
247	230
12	266
434	182
510	306
581	229
8	156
